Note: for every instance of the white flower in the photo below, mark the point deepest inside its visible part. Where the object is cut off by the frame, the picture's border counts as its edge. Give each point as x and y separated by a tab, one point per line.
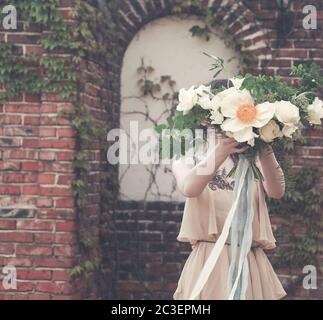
202	88
288	130
315	111
216	116
243	115
206	103
237	82
270	131
187	99
287	113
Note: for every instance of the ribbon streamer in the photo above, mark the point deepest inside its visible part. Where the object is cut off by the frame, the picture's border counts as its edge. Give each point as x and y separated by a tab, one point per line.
241	234
241	172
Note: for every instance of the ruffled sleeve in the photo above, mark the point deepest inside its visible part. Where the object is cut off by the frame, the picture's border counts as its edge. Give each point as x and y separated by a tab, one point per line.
199	219
262	229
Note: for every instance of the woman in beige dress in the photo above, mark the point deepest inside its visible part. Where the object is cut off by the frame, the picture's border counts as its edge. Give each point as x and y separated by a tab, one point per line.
208	201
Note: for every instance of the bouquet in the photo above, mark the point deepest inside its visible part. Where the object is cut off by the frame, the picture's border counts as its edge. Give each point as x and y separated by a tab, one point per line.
254	110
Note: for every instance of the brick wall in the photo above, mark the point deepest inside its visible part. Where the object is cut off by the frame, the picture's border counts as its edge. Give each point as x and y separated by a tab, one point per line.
38	217
37	211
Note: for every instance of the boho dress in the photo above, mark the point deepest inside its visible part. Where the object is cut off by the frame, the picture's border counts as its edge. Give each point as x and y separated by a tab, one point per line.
202	223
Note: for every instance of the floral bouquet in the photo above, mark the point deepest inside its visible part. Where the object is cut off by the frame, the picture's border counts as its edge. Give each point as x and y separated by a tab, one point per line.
255	110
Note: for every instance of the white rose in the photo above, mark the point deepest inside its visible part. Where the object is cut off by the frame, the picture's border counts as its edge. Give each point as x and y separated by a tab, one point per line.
216	116
270	131
315	111
286	112
207	103
202	88
288	130
187	99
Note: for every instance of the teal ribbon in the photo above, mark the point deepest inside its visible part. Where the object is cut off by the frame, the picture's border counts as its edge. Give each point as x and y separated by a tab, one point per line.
241	232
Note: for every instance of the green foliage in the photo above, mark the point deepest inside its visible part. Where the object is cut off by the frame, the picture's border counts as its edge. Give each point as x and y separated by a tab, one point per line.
58	74
265	88
302	203
310	77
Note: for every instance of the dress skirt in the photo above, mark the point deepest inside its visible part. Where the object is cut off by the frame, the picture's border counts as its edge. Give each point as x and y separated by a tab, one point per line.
263	283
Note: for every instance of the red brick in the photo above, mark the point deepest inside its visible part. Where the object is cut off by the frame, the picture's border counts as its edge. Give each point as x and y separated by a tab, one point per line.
65	226
46	178
61	275
10	165
33	250
10	119
54	262
65	156
9	190
47	155
65	251
66	132
67	238
30	274
47	132
21	286
56	288
19	262
56	191
7	224
35	225
44	237
65	179
19	178
57	214
19	154
64	203
44	202
31	190
49	108
7	249
22	108
32	120
34	49
57	144
32	166
16	236
30	143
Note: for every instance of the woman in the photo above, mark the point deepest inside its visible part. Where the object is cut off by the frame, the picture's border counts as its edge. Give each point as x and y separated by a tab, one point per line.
208	201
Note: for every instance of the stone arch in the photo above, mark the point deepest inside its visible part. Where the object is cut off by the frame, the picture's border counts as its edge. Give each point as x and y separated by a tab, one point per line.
241	22
135	14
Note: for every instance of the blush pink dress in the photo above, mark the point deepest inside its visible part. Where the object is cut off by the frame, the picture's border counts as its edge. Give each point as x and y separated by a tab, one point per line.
203	219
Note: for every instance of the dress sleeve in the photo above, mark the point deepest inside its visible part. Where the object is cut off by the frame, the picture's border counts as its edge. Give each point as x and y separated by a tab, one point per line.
263	233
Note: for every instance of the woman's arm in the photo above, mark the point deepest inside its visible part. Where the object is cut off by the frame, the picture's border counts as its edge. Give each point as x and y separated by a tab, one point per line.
274	180
191	179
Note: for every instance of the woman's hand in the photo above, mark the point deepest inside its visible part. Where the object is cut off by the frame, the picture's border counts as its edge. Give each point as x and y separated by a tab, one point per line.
192	179
227	146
